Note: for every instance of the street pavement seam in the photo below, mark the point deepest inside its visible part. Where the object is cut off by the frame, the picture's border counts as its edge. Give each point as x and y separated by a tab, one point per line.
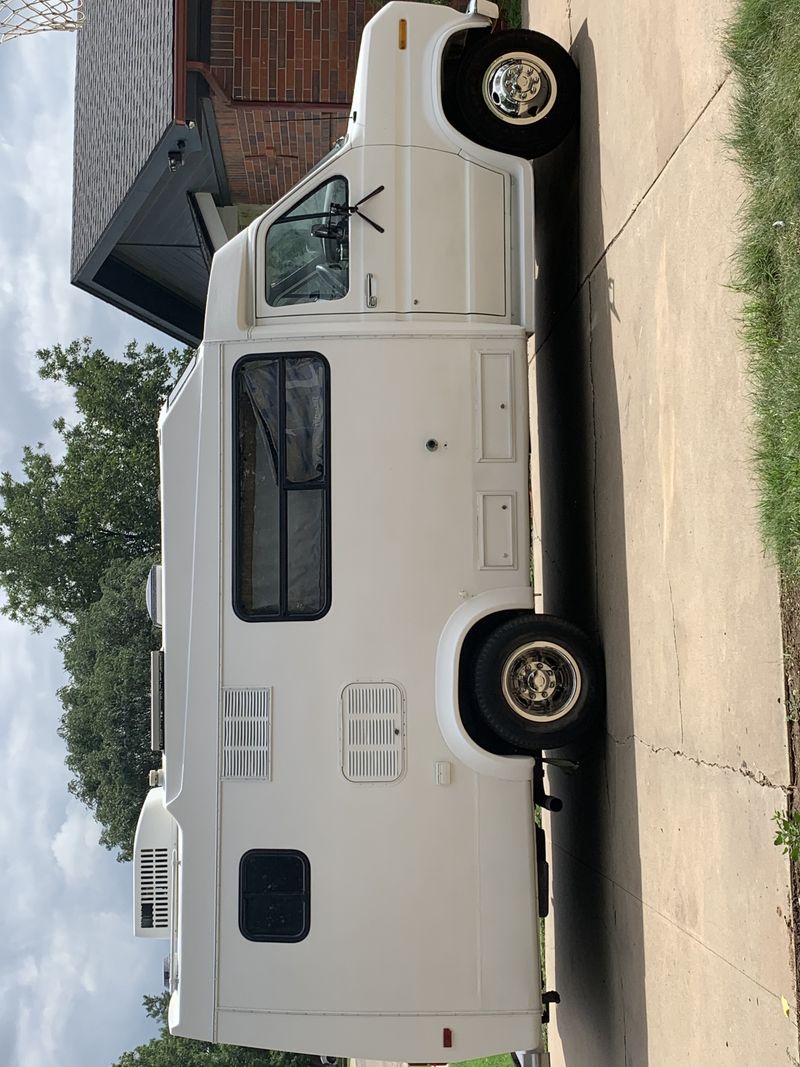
539	344
667	919
657	178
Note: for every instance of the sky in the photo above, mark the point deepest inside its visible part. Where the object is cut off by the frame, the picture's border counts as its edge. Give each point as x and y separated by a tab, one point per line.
72	976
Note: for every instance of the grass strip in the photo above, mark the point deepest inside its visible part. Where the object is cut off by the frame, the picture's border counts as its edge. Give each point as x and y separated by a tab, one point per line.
762	44
488	1061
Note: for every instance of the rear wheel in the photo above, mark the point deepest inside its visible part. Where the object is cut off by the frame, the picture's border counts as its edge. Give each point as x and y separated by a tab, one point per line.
537	682
518	92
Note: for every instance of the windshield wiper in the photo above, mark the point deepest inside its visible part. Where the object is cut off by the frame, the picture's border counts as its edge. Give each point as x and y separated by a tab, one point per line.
346	210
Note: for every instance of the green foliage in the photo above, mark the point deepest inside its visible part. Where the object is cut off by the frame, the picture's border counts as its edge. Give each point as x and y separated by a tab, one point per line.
787	834
762	44
156	1007
106	719
511	13
488	1061
67	519
168	1051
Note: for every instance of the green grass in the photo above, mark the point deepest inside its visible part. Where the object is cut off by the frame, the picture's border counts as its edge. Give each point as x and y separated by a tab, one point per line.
763	46
489	1061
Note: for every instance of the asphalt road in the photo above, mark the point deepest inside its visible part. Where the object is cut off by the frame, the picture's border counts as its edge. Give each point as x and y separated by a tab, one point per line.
670	938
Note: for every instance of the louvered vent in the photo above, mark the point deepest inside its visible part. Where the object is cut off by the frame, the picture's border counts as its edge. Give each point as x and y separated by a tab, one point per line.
154	888
245	733
373	732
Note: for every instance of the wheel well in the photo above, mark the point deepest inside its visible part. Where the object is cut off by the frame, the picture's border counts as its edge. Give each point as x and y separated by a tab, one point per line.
454	51
473	722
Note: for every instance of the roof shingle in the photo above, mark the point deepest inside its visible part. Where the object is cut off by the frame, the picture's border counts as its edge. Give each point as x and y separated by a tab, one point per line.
123	107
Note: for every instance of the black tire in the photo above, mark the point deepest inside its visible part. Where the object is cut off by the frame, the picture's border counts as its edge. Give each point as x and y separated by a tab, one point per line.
538	682
546	117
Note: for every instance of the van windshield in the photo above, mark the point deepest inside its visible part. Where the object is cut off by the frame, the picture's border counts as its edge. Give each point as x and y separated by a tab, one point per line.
308	249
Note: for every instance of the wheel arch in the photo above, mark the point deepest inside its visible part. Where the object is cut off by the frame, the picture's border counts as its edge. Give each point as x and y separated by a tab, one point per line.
452	703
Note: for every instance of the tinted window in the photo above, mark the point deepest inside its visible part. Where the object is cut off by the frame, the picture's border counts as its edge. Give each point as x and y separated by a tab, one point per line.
274	895
282	535
308	249
259	487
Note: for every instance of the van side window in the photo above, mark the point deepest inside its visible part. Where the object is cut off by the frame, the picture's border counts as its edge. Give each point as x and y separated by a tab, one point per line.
308	249
281	481
274	895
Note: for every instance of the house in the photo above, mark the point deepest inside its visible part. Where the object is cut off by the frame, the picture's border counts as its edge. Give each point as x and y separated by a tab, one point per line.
191	117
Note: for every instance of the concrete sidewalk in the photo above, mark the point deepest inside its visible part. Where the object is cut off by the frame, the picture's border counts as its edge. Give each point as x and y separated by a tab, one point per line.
670	938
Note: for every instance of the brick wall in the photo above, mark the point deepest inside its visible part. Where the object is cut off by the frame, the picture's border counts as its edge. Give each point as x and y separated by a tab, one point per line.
279	50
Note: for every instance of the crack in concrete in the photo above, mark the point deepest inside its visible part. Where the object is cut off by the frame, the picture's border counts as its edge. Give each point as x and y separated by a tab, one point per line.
746	772
677	655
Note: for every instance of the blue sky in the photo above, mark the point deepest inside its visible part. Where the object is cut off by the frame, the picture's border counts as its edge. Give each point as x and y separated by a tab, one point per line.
71	974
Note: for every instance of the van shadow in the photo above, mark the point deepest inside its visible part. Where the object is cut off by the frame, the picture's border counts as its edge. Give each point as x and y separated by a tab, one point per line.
595	859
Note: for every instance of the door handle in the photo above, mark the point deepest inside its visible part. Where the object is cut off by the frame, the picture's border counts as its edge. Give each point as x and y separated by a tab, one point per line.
372	295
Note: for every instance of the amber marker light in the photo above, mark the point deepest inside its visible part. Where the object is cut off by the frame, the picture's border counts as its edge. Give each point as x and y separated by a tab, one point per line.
402	35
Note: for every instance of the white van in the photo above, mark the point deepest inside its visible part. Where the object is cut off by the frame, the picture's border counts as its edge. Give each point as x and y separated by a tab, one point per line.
340	845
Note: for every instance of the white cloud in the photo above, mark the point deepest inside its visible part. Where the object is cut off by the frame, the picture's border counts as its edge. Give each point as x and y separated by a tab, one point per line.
74	846
78	976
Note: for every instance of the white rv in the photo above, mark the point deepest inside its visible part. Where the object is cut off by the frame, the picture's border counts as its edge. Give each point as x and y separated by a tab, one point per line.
353	687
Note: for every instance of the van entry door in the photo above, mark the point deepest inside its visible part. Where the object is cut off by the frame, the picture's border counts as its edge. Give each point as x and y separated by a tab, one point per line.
442	242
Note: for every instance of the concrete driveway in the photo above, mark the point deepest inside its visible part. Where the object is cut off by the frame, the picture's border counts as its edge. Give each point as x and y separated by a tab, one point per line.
670	938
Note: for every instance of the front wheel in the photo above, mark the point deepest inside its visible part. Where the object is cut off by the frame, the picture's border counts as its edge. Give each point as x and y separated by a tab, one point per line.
518	92
537	682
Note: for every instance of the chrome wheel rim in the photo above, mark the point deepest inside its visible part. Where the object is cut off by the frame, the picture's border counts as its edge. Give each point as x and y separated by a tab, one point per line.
519	88
541	682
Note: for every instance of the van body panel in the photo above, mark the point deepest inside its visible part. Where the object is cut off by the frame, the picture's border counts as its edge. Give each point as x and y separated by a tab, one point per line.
472	1036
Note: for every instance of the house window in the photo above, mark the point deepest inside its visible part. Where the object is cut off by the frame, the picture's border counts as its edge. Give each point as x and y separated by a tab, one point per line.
308	249
282	482
274	895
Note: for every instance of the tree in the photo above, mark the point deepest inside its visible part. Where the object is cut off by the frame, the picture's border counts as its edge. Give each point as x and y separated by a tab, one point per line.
169	1051
106	719
63	524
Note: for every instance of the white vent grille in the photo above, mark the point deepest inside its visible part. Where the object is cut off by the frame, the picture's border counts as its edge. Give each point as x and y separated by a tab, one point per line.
373	732
154	888
246	724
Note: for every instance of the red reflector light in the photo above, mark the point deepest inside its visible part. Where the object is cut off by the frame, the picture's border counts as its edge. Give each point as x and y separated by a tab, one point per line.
447	1037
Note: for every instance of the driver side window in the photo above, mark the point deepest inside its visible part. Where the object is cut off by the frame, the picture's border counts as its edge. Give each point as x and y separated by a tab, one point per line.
308	249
